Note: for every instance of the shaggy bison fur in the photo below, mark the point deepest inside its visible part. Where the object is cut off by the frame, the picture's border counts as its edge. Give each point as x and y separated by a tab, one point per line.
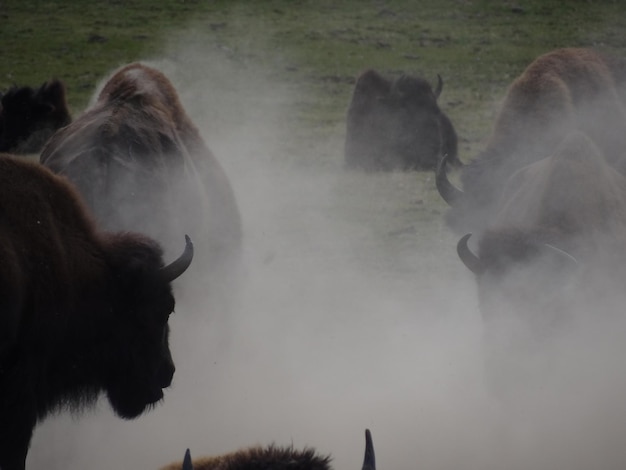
270	457
397	125
141	164
562	91
82	312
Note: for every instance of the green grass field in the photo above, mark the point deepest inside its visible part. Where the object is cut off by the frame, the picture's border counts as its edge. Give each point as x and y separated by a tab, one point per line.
318	47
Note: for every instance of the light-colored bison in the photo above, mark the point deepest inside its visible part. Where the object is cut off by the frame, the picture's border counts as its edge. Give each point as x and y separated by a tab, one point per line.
141	164
82	312
561	91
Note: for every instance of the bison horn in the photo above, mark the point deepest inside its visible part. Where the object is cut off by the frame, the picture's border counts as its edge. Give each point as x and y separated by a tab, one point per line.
369	461
180	265
439	86
450	193
469	259
187	465
562	255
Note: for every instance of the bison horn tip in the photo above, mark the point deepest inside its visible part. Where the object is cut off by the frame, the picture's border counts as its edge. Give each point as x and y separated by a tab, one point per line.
180	265
369	460
187	465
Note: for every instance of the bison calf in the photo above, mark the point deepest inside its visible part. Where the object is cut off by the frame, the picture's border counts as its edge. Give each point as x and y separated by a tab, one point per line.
81	312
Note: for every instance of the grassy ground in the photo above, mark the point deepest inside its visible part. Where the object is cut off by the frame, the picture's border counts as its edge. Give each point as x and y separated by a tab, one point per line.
318	46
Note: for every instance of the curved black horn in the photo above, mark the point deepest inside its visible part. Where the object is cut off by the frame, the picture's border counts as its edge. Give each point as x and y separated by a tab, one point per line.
450	193
469	259
187	465
439	86
180	265
369	461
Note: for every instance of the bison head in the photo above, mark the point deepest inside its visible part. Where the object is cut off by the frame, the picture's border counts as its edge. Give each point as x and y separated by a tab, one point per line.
528	296
29	117
140	365
516	272
413	123
528	293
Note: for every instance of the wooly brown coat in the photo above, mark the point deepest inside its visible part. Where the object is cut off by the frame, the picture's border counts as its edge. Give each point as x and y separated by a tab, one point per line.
560	92
82	312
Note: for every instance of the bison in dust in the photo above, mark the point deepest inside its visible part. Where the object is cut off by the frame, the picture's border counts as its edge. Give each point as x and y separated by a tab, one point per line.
257	458
562	91
141	164
397	125
555	250
81	311
270	457
29	117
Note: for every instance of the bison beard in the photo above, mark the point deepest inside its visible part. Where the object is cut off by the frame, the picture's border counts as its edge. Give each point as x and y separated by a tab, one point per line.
81	312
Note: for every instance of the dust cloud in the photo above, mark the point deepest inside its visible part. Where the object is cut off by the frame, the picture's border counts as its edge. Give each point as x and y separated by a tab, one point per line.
330	331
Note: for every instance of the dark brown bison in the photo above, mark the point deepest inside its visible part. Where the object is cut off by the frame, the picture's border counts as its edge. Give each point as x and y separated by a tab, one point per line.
81	311
257	458
397	125
555	250
561	91
141	164
269	458
29	117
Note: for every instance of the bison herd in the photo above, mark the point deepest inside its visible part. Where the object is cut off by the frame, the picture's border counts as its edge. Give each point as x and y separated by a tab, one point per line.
85	287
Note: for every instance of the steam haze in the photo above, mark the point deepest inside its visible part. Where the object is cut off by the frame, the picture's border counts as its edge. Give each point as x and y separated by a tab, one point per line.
350	313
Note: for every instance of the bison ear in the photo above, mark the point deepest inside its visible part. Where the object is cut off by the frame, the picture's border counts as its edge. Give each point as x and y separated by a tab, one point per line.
53	90
187	465
53	94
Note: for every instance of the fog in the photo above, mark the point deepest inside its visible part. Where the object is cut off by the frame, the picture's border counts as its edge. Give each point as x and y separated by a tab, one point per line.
345	318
